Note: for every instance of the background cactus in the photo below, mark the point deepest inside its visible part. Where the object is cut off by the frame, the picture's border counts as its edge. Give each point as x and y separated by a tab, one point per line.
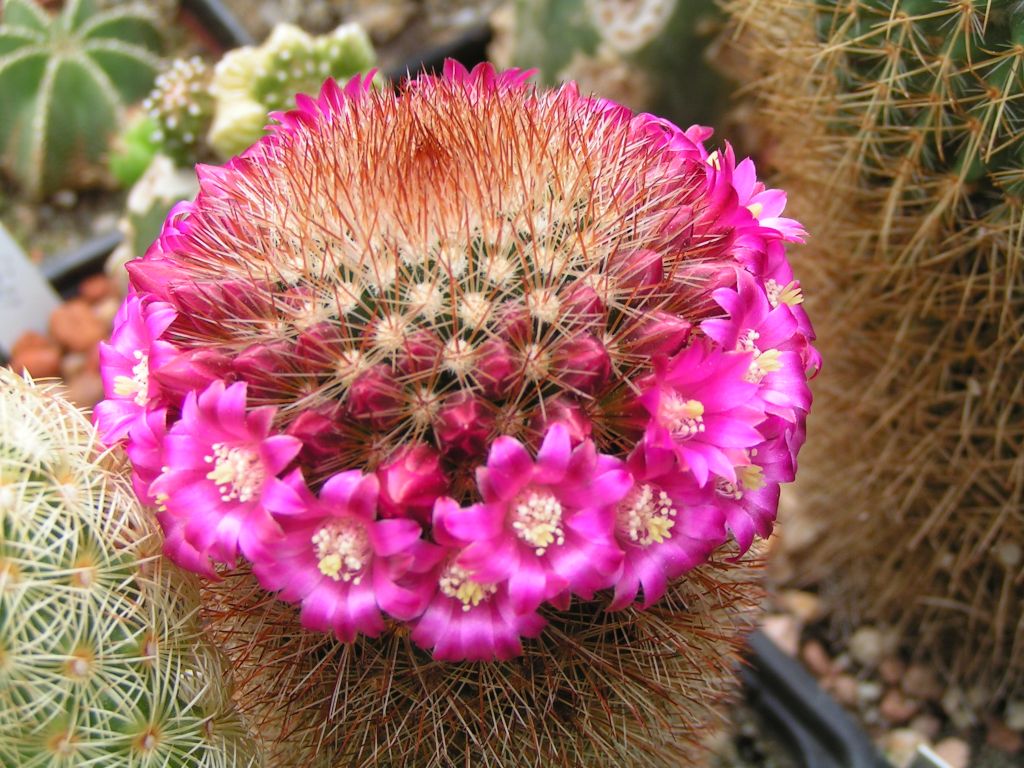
896	128
597	689
64	82
102	660
251	82
646	54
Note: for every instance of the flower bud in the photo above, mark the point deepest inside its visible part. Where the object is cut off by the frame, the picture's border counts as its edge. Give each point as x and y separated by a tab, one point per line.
583	364
496	368
463	425
564	410
374	397
410	481
661	334
419	353
193	370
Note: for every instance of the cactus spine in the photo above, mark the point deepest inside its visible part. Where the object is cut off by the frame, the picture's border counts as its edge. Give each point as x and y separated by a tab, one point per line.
896	128
102	660
598	689
64	82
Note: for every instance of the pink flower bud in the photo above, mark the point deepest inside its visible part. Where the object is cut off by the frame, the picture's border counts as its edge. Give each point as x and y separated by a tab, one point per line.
637	270
410	481
564	410
267	367
582	307
582	363
463	425
496	368
319	430
419	353
661	334
193	370
374	398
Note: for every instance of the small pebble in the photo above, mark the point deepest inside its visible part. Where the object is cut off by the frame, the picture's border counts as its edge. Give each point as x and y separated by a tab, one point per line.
927	725
954	751
73	364
806	606
954	704
869	691
900	745
897	708
104	222
892	670
96	288
106	310
866	646
75	325
1014	715
844	688
816	658
1005	739
36	354
784	631
920	682
86	389
65	198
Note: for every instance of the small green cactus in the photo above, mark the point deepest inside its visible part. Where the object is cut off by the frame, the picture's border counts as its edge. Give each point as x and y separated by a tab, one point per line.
64	82
182	108
102	658
646	54
251	82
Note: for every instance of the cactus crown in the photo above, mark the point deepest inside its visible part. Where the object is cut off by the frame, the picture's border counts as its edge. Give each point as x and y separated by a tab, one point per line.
64	80
101	656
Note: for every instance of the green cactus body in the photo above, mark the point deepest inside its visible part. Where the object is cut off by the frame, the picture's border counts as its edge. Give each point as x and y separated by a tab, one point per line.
102	659
647	54
181	107
64	81
251	82
895	126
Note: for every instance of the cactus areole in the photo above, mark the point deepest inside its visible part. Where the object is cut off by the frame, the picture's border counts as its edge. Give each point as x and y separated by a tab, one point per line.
442	355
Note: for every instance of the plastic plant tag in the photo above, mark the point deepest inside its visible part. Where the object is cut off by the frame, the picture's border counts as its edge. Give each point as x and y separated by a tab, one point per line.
26	298
926	758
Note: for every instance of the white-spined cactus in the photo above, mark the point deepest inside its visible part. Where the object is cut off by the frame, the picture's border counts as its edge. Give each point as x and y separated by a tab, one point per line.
102	658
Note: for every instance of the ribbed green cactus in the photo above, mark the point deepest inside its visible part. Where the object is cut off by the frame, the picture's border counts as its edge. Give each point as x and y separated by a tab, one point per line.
647	54
896	126
251	82
102	659
64	81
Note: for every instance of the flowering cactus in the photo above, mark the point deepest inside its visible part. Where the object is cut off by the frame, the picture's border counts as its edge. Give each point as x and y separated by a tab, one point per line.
446	356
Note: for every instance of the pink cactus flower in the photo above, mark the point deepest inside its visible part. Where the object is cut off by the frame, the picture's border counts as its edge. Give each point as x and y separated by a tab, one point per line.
666	525
468	617
135	349
219	463
545	526
702	406
769	334
338	558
